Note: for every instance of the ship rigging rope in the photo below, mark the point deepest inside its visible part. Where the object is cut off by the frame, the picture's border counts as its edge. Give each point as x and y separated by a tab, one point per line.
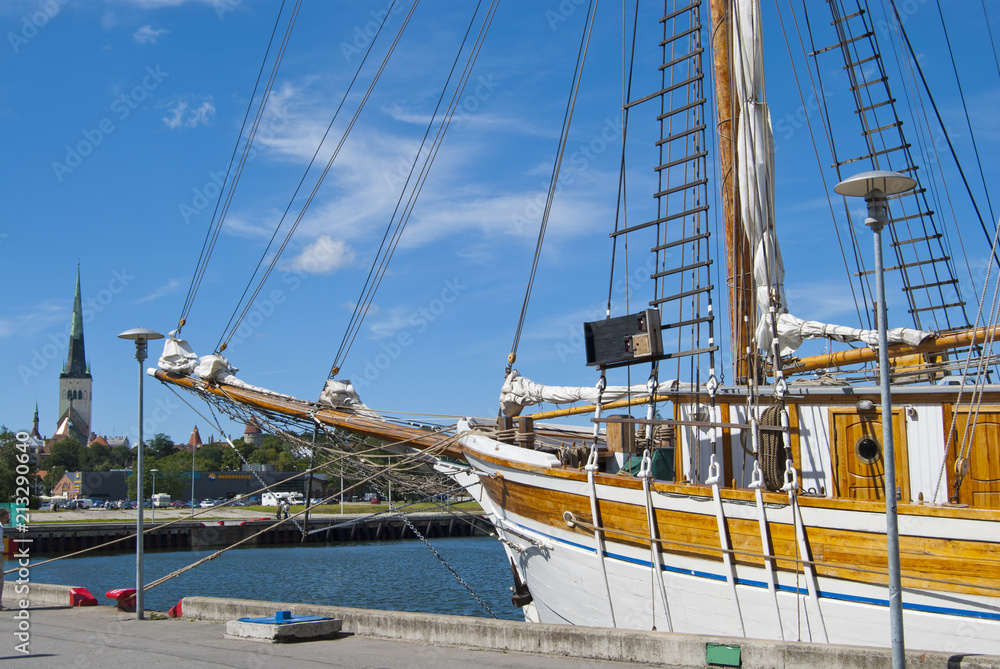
224	340
389	242
621	212
581	58
944	130
215	225
965	110
981	377
812	136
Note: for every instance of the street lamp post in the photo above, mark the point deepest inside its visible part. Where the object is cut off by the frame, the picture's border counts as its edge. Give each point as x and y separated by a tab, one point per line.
193	448
152	504
875	187
140	336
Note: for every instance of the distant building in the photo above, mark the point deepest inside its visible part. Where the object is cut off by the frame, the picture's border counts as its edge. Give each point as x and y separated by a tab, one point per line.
75	381
105	486
226	485
35	444
118	441
195	440
252	434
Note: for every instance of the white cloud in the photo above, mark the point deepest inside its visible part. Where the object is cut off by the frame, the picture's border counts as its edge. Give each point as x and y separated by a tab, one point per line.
147	35
168	288
184	114
323	256
36	319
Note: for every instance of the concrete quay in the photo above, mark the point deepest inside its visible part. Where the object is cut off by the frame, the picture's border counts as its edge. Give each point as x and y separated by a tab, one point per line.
102	636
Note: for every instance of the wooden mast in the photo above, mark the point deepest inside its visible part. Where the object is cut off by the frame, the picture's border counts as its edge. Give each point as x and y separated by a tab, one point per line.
742	309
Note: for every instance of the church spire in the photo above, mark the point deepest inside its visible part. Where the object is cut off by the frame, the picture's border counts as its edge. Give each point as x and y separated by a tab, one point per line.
76	361
34	424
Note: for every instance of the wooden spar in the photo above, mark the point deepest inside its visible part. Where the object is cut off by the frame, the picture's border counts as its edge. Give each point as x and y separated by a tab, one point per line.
589	408
741	304
855	356
389	433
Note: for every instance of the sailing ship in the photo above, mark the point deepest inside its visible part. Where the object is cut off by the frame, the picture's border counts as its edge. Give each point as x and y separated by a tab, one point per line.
755	508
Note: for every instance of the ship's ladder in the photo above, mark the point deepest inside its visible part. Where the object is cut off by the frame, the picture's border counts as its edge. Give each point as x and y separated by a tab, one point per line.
683	264
922	259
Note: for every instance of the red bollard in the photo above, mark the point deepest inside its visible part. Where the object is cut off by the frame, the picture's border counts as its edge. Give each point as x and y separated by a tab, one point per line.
175	610
125	598
81	597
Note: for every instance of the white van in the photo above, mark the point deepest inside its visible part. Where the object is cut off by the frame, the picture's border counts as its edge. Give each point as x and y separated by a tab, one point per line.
161	499
274	498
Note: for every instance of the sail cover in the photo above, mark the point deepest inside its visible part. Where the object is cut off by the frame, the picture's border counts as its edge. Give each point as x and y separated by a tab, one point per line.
755	178
519	392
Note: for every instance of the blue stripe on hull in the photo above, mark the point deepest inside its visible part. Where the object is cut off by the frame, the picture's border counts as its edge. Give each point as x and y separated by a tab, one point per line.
874	601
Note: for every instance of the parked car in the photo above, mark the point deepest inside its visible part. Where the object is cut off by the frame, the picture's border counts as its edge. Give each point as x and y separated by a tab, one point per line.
178	504
207	503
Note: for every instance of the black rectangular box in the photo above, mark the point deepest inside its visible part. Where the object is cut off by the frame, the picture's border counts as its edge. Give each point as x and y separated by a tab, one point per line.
624	340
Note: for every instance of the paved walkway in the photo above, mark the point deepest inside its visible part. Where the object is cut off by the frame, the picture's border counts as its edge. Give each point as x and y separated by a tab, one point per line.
102	637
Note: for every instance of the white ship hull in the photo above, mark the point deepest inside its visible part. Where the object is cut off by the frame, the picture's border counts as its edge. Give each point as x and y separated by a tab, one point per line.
574	581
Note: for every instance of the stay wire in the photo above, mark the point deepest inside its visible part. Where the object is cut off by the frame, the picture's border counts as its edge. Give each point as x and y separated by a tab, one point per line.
965	110
312	161
196	277
563	140
389	241
224	341
944	130
425	170
622	211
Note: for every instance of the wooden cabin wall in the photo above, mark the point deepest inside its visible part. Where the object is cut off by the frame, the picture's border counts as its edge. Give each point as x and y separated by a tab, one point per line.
823	438
981	488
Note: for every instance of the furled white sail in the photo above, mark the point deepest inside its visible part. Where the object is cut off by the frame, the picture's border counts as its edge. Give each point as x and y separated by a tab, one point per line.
519	392
342	394
177	355
755	171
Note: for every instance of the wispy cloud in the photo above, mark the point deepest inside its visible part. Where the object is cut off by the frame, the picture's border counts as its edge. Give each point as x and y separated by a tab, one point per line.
323	256
38	318
147	35
186	113
168	288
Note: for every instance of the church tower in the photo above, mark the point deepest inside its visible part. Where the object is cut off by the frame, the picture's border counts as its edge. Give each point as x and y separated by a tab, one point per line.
75	381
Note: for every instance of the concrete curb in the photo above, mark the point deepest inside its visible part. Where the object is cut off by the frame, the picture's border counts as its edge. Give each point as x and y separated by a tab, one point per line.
37	594
583	642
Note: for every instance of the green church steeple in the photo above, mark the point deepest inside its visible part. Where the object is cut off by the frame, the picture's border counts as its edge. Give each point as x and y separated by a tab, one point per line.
76	362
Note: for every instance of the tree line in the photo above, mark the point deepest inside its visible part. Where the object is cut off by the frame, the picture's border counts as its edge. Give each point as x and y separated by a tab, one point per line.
174	466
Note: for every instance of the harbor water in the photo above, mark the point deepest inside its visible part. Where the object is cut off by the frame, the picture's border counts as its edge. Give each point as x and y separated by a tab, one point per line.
388	575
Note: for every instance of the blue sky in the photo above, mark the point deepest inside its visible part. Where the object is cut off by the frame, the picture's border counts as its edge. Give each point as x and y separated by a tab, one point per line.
119	116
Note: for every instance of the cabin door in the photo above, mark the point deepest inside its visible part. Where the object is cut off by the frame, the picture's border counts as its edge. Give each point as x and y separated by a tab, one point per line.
859	471
981	487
